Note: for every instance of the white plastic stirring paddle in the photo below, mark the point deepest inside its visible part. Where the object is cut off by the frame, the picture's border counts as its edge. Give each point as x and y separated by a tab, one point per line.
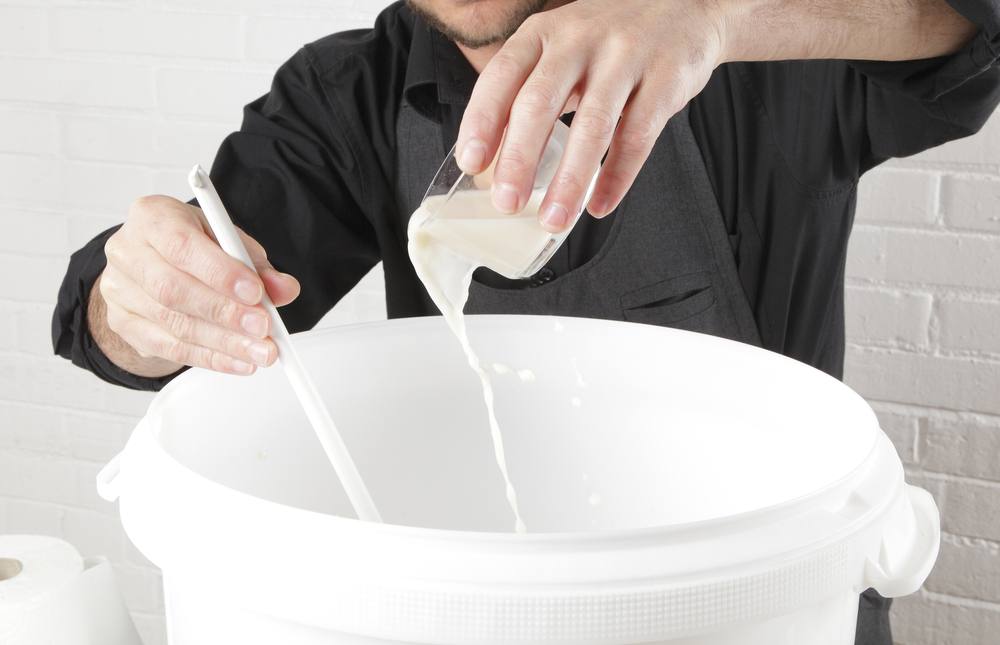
229	239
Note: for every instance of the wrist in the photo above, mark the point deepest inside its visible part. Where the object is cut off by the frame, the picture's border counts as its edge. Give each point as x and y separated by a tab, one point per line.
739	30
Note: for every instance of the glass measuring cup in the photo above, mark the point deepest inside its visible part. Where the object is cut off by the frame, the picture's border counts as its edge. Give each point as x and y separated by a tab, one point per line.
457	210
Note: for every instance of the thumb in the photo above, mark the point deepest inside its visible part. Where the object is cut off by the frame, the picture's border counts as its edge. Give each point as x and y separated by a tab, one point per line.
282	288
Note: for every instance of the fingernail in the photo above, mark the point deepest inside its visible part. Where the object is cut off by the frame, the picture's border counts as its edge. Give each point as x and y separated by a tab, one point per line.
248	291
240	367
473	156
505	198
254	324
260	353
555	217
599	208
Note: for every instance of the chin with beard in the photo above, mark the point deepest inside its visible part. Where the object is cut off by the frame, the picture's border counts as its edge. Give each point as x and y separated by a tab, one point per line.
476	23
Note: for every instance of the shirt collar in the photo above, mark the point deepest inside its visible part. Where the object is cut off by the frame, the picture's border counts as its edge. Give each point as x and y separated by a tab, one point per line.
436	72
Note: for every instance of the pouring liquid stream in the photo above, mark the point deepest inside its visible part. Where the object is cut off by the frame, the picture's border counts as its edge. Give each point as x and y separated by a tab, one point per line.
439	251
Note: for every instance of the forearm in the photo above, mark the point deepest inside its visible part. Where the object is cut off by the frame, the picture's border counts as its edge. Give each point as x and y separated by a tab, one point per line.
117	350
760	30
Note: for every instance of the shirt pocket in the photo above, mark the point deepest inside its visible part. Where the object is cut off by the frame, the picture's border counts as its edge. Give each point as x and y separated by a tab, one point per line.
682	302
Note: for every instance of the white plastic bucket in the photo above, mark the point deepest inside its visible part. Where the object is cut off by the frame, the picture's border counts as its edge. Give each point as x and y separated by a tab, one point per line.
678	488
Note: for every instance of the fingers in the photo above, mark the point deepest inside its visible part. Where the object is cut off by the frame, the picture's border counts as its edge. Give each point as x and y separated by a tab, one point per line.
282	288
593	127
149	340
174	294
486	114
130	297
644	118
191	250
532	116
176	290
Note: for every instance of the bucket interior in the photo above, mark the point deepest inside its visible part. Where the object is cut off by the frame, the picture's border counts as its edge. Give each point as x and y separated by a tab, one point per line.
614	426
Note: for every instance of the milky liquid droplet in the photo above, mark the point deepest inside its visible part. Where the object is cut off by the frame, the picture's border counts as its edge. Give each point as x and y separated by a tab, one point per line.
526	375
594	499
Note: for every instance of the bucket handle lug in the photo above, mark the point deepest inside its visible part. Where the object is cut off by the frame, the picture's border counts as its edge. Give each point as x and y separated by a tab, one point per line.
908	572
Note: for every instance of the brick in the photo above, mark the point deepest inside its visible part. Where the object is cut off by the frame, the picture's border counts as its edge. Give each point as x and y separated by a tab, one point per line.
96	438
968	508
10	375
968	568
92	83
971	202
274	39
161	33
314	8
866	256
22	30
32	428
55	381
979	149
125	401
30	231
31	278
28	131
925	619
8	338
218	94
83	228
140	140
173	183
931	381
902	430
141	587
898	197
41	478
965	448
86	489
34	518
93	533
34	329
947	259
56	184
887	316
970	324
930	482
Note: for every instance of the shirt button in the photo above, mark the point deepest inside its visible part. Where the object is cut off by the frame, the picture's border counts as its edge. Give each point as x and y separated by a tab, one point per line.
543	276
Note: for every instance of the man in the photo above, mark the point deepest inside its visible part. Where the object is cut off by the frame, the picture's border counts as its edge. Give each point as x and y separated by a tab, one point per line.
733	178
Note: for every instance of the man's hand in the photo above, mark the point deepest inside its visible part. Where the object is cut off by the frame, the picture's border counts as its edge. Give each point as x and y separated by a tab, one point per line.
170	296
641	60
627	66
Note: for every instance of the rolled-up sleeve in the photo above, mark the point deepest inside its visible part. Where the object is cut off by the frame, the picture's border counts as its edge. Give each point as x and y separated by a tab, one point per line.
911	106
290	180
71	337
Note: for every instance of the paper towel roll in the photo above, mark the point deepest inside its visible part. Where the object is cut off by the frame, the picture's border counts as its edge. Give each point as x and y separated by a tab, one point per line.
49	595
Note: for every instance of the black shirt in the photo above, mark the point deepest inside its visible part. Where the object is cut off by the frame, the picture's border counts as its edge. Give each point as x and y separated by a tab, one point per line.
310	174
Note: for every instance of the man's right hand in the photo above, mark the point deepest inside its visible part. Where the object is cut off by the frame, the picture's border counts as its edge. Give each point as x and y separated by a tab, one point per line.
170	296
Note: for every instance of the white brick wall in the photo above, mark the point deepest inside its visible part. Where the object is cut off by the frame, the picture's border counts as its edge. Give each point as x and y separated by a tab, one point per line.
923	305
139	90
